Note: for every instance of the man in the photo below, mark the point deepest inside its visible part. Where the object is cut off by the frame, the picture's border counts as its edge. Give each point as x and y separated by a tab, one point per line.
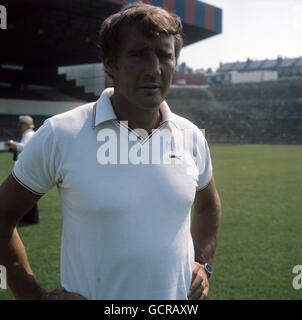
26	125
126	221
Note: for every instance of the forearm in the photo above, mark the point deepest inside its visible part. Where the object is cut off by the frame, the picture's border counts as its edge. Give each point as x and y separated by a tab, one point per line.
16	146
15	201
19	274
205	230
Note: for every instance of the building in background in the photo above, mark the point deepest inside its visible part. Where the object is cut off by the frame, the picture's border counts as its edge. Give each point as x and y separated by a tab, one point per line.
233	77
196	79
251	71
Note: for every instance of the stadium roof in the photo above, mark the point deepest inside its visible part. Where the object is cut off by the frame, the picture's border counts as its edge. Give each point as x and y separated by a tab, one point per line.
64	32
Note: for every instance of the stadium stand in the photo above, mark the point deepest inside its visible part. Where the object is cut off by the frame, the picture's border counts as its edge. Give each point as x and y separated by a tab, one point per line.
258	113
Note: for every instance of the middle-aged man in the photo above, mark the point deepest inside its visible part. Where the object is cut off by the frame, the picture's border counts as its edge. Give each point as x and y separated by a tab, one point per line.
126	221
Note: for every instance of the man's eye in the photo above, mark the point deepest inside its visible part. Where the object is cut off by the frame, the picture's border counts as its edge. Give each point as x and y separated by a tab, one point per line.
167	56
137	54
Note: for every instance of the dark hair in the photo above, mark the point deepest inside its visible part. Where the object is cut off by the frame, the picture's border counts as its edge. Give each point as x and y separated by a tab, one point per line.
151	21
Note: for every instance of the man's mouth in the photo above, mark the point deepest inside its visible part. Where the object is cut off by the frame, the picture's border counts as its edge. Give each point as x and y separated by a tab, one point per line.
151	86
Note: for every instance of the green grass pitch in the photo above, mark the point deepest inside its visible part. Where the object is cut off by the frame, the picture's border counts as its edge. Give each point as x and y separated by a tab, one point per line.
261	229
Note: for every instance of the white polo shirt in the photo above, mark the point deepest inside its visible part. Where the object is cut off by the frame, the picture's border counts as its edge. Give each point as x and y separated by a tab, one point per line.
126	222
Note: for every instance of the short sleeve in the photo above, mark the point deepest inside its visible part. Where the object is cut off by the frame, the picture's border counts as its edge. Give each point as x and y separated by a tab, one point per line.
37	166
203	161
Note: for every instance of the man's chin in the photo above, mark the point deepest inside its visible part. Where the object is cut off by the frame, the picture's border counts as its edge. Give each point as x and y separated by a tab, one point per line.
150	101
157	96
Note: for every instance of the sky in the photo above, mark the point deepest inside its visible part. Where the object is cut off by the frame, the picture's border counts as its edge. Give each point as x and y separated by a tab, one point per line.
255	29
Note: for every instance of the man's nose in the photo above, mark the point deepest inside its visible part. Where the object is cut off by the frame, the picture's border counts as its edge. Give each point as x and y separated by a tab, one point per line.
153	67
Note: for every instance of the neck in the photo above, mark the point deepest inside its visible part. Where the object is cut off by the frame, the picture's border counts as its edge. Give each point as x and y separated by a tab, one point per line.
138	118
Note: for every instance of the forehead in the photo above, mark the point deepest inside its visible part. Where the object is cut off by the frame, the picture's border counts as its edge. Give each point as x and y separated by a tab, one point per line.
131	38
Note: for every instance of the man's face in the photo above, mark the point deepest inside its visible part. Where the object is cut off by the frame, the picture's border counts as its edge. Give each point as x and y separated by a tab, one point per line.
144	68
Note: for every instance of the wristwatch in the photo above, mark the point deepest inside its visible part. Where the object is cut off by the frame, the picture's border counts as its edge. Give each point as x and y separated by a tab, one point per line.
208	269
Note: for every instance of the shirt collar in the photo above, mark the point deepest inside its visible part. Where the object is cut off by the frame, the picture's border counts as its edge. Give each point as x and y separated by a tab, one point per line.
103	109
167	114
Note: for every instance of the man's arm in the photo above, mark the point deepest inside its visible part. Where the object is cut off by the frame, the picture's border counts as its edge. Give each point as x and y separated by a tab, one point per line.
16	146
204	230
15	201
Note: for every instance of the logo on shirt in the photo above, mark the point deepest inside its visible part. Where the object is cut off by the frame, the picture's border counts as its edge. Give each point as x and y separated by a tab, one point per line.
175	156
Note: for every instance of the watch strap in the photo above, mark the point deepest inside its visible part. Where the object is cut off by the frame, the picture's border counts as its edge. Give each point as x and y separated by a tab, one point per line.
208	269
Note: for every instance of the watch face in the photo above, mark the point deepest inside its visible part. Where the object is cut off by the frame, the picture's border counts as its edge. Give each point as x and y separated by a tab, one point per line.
208	268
